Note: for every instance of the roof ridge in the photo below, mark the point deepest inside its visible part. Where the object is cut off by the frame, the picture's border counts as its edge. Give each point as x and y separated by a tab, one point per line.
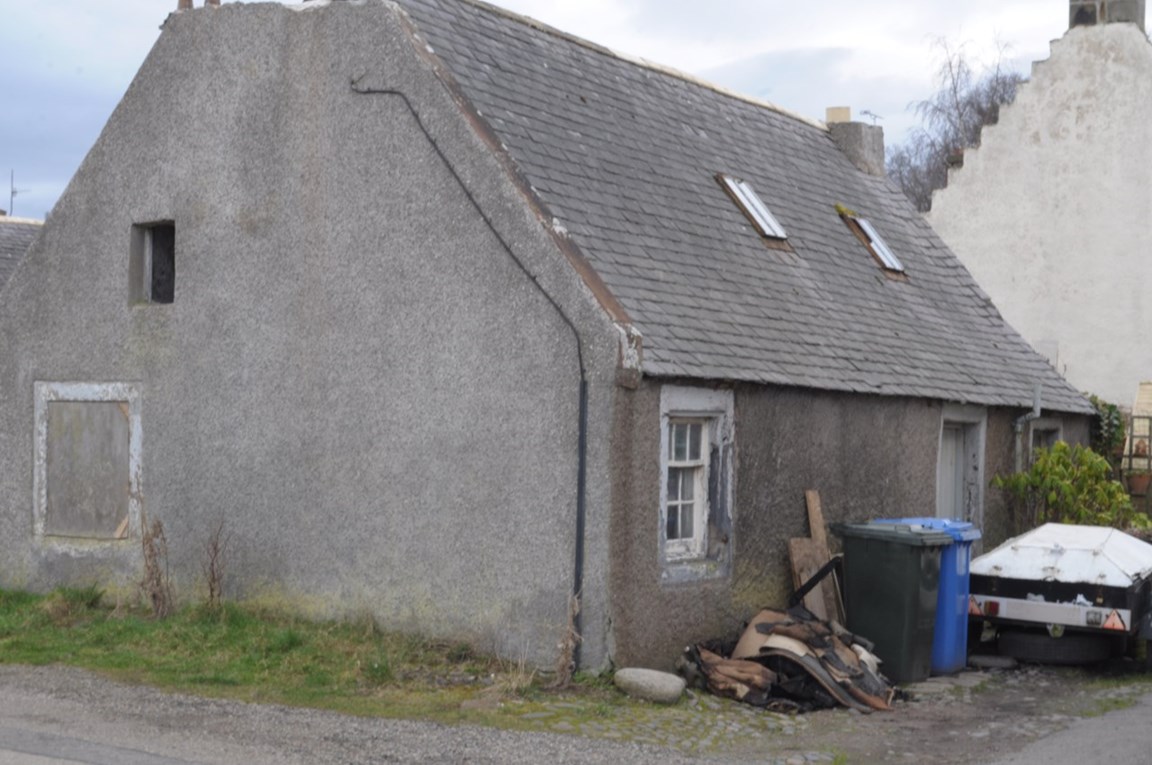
642	62
14	219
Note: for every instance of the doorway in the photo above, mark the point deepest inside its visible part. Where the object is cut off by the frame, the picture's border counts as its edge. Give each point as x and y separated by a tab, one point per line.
960	467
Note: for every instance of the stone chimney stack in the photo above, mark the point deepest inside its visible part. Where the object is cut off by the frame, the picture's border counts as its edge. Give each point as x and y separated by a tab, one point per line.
1086	13
863	144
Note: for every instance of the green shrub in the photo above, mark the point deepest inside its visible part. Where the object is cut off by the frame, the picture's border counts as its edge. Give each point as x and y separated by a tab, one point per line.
1069	484
1107	429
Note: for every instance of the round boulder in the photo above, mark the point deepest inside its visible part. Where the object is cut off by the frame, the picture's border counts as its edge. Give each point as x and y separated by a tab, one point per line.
650	685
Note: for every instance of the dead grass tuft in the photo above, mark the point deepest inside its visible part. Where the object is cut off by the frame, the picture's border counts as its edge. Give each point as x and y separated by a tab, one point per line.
566	658
214	564
156	586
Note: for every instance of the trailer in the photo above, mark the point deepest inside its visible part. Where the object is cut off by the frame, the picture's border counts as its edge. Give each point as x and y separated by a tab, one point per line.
1064	593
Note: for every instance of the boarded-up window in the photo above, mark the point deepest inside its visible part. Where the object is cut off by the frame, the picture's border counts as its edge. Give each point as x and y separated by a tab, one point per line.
87	469
87	460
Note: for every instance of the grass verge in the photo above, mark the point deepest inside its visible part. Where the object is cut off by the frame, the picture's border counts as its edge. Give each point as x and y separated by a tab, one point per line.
244	653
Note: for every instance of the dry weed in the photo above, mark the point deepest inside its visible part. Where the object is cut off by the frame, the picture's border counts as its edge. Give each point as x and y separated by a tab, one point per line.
156	586
214	564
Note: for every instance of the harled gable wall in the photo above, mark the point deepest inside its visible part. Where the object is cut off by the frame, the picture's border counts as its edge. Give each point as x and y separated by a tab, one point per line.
355	374
1050	213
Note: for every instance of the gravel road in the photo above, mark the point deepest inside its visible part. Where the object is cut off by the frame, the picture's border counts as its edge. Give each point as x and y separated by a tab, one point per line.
60	715
63	716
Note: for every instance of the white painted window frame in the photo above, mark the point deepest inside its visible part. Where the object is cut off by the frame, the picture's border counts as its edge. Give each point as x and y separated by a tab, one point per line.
47	392
753	206
876	242
713	408
693	546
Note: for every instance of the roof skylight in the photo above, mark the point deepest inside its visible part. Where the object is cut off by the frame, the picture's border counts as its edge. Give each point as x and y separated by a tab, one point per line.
754	207
880	247
868	234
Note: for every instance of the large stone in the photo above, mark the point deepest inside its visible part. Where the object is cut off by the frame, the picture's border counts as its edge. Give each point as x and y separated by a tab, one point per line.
651	685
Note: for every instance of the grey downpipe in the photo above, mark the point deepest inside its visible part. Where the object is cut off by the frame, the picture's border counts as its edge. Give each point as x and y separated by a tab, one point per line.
1037	392
582	426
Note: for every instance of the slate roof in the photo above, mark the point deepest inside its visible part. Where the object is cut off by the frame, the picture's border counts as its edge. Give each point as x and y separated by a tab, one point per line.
16	235
624	156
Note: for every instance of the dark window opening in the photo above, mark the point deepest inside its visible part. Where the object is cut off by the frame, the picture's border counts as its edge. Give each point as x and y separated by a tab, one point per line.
152	269
163	263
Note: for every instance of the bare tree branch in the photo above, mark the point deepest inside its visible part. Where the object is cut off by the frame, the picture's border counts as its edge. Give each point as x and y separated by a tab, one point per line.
951	121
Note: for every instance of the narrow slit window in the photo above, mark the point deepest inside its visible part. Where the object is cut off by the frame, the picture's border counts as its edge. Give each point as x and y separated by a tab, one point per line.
152	267
753	206
876	244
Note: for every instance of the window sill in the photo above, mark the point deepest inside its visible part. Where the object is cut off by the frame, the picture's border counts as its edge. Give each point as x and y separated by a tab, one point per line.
682	570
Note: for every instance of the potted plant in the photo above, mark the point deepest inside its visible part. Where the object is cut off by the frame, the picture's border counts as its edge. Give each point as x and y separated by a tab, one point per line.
1138	480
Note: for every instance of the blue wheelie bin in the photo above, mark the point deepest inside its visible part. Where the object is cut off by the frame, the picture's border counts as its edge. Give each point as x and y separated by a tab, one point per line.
950	638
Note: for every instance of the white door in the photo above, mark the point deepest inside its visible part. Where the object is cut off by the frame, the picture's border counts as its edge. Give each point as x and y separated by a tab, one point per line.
950	473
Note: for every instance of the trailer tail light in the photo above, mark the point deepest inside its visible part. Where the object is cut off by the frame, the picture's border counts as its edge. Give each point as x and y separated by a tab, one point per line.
1115	622
991	608
1094	618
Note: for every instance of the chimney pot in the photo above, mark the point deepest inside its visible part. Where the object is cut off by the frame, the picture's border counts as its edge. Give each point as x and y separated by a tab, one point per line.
1086	13
837	114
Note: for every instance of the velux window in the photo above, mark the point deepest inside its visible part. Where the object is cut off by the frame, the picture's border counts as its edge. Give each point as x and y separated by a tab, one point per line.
871	238
753	206
152	263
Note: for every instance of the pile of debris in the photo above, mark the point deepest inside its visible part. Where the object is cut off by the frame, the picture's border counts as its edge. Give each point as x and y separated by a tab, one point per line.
792	661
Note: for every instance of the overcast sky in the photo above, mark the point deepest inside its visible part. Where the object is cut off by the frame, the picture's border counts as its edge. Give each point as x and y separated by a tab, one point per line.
66	63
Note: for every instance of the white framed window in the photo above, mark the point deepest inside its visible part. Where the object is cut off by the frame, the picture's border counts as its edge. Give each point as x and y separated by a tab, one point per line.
685	510
696	450
880	250
753	206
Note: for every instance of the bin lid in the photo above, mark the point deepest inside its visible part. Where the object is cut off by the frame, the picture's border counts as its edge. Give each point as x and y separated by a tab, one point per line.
961	531
913	535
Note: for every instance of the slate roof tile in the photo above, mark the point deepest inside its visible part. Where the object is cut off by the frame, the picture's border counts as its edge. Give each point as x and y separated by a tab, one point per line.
625	156
16	236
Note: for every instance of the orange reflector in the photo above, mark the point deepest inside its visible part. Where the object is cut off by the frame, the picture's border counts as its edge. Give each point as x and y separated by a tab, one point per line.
1115	622
974	607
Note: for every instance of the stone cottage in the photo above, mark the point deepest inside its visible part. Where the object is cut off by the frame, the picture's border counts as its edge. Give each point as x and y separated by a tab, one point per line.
450	315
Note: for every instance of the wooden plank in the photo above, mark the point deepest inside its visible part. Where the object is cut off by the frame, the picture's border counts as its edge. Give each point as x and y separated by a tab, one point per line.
827	588
806	561
816	518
